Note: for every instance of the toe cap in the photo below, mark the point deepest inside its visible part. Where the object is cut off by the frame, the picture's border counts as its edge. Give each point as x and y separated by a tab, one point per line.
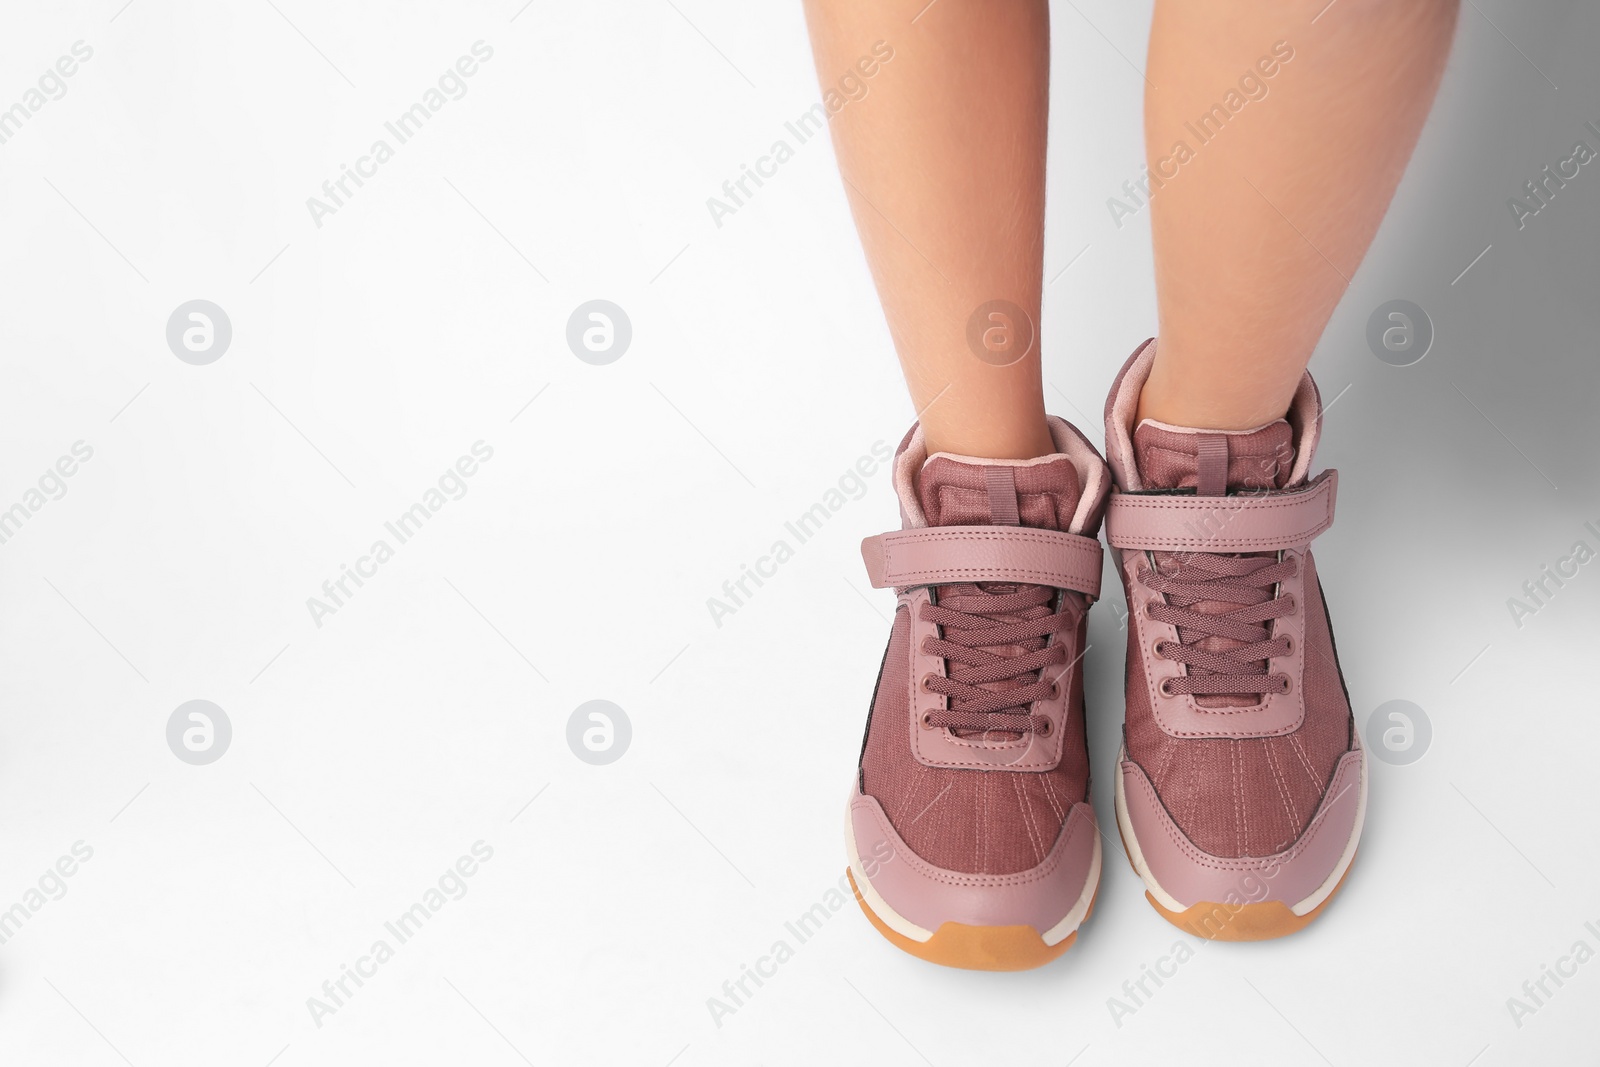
1180	875
919	897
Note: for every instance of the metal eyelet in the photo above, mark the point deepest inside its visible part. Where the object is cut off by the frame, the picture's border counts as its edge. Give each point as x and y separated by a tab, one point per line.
1290	650
1288	685
1047	729
927	720
1162	688
1155	648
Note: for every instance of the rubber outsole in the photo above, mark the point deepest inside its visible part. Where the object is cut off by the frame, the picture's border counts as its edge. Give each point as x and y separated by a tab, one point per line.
977	948
1262	921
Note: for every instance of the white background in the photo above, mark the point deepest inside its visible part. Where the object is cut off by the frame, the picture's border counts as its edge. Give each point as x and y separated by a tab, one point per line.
371	752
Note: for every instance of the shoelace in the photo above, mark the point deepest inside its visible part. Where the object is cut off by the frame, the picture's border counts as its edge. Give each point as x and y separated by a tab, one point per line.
1248	581
976	682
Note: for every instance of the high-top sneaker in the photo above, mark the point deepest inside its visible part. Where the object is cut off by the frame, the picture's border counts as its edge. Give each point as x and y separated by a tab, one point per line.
970	835
1243	786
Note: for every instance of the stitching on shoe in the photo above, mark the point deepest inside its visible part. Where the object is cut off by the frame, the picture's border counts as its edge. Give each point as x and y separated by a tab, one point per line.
911	789
1035	837
1239	829
1048	781
1292	498
1166	760
1283	788
1305	761
1013	534
1047	867
1250	863
1222	543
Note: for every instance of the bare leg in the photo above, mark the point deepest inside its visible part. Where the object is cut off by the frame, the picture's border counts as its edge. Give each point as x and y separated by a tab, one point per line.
943	162
1257	235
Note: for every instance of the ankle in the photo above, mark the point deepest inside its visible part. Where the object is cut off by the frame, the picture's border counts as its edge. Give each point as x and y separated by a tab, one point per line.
992	443
1207	404
1028	439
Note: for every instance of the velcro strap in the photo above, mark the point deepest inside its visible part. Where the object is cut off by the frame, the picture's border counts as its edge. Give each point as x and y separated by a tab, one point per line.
1247	523
941	555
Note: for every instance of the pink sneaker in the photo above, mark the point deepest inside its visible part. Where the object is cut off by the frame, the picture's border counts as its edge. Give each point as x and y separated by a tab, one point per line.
970	835
1243	785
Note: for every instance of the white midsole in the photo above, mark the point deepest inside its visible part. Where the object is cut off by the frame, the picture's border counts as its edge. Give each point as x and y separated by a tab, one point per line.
906	928
1171	903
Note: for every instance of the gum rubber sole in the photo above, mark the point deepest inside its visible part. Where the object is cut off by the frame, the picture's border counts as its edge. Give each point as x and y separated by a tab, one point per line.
1243	922
978	948
1262	921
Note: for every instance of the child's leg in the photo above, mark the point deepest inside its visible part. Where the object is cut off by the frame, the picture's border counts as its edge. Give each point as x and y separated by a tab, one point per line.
943	162
974	770
1257	235
1239	737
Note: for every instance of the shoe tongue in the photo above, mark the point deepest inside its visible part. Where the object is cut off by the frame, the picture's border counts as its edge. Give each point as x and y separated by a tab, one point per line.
1171	457
1212	463
959	491
956	491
